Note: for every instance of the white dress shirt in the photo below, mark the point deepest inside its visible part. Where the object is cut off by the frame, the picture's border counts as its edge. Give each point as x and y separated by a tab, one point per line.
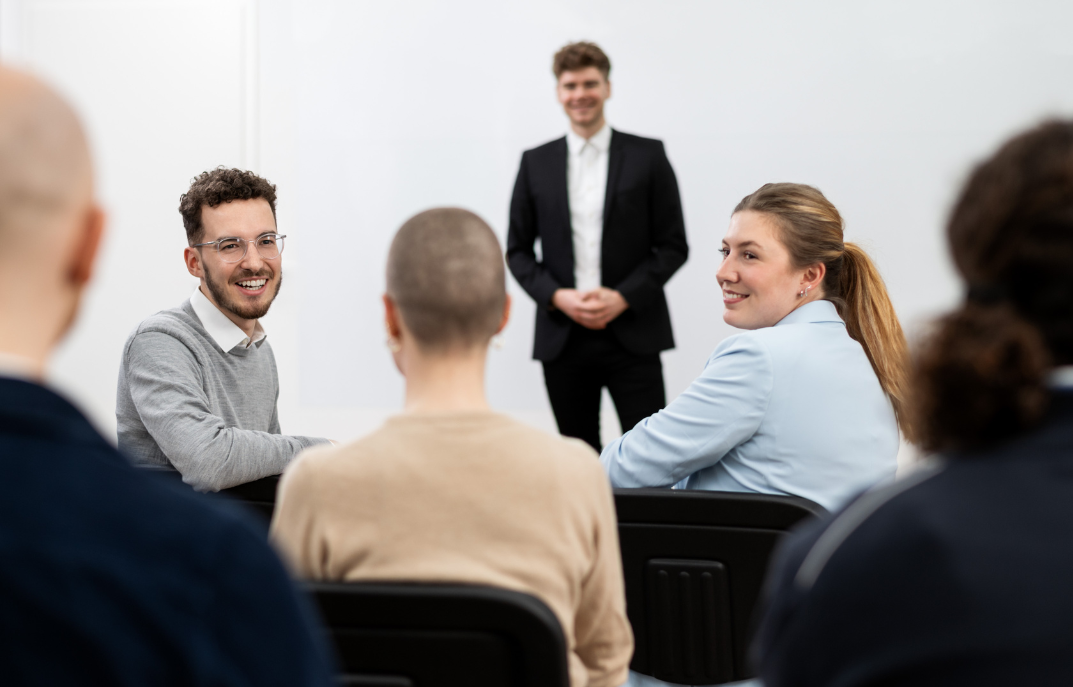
586	183
223	331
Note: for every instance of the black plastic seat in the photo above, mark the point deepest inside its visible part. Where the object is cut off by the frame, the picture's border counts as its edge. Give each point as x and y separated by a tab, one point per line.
441	635
694	564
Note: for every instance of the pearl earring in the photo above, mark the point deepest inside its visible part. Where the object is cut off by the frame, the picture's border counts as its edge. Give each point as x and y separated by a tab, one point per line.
393	344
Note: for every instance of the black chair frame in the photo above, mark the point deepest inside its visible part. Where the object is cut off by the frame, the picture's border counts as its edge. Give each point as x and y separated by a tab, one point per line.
441	635
694	564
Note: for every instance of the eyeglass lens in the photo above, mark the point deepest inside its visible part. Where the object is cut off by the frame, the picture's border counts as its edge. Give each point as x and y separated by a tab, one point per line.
268	247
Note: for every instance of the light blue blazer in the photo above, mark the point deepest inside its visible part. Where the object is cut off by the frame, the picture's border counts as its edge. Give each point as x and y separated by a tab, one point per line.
790	409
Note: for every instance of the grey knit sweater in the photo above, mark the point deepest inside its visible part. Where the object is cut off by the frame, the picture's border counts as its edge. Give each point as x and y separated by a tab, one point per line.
210	414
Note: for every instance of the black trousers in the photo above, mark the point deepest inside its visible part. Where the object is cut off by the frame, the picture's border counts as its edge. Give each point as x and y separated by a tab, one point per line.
590	361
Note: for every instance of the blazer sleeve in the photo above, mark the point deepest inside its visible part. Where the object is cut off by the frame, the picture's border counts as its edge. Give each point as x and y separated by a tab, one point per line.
668	237
521	237
721	409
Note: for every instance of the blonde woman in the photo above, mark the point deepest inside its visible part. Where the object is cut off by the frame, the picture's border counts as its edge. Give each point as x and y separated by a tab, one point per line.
808	400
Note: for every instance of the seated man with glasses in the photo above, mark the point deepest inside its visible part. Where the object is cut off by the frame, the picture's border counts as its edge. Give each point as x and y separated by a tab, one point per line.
197	383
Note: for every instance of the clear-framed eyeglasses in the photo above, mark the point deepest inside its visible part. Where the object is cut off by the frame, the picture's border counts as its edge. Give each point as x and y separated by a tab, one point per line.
232	249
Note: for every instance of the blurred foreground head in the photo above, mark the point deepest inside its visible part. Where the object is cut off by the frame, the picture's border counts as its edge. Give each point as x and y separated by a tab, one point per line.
50	227
982	376
447	281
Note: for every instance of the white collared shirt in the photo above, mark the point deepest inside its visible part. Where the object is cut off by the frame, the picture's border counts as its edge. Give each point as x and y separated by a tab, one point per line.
586	183
223	331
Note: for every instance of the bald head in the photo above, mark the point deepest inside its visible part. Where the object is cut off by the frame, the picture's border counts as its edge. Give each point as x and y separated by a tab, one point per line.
44	161
445	273
50	227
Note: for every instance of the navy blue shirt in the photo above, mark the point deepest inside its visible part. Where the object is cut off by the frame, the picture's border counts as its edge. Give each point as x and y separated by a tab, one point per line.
112	576
959	575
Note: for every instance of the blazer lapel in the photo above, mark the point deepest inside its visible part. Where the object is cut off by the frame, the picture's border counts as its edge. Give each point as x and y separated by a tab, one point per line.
614	171
563	201
559	182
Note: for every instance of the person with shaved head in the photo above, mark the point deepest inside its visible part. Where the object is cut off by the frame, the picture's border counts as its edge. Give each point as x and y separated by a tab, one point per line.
108	575
450	491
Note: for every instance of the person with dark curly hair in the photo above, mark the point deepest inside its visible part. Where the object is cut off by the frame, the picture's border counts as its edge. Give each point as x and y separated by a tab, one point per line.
198	383
959	574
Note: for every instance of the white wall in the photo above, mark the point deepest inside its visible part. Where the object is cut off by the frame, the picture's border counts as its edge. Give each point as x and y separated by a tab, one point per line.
367	112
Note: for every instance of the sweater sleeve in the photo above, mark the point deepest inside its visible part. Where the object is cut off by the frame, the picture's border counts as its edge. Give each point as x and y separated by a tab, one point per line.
604	639
294	530
165	383
720	410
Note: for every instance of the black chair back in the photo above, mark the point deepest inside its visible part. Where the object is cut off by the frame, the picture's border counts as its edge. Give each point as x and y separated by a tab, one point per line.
441	635
258	495
694	564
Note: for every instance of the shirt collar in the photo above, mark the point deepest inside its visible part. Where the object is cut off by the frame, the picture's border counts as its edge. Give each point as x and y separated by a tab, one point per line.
1061	377
816	311
601	140
223	331
19	367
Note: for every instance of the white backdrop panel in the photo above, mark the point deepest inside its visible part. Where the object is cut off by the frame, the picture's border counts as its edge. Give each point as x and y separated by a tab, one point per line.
367	112
161	89
403	106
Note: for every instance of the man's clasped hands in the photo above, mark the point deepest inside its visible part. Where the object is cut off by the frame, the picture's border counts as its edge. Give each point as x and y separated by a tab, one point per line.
592	309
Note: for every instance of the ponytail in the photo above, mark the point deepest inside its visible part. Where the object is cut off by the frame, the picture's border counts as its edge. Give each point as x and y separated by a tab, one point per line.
864	305
980	378
812	231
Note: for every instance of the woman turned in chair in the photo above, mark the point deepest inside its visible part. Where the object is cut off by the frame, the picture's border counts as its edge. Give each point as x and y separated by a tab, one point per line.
450	491
809	400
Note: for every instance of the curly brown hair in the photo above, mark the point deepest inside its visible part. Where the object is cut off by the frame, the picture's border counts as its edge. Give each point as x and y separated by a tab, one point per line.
981	376
216	186
575	56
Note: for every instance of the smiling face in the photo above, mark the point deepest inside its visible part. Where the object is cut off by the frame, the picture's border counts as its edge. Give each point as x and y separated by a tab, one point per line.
582	94
760	283
244	290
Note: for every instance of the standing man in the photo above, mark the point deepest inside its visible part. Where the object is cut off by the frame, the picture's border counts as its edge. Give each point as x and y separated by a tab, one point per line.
197	383
606	210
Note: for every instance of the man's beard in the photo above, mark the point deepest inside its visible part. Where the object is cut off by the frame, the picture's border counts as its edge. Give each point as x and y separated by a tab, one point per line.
222	295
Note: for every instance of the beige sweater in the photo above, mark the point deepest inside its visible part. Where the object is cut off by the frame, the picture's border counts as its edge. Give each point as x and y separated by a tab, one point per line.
471	497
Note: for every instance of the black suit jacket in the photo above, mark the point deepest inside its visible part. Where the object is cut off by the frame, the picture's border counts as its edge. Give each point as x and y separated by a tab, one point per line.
111	576
644	240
